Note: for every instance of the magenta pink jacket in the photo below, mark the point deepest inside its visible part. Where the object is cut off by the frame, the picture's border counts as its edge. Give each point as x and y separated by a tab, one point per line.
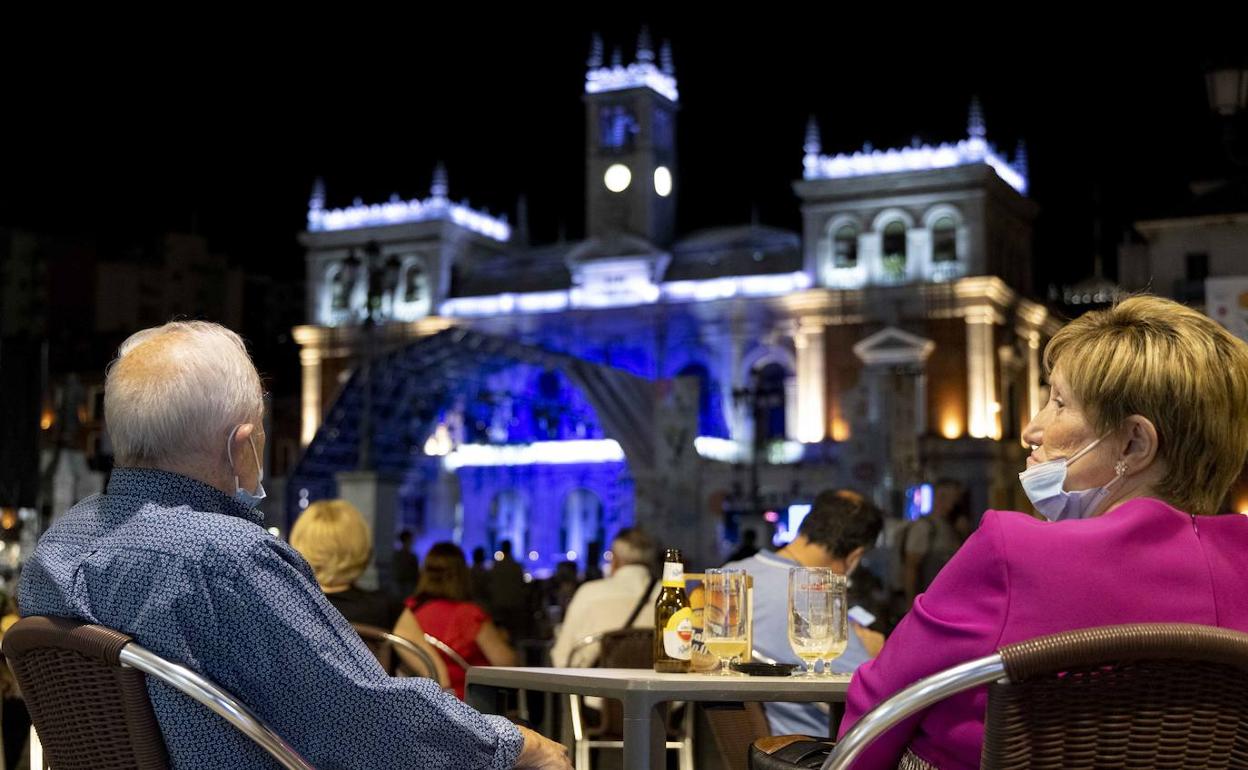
1017	577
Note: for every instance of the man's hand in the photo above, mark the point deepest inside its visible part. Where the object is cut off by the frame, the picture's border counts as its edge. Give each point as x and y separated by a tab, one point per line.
873	641
542	753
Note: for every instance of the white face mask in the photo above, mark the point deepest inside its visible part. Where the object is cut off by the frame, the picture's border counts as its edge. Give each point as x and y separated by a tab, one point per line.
249	499
1045	486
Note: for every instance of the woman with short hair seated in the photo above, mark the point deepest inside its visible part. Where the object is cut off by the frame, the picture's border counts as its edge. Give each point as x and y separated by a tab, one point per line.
1145	431
337	543
442	607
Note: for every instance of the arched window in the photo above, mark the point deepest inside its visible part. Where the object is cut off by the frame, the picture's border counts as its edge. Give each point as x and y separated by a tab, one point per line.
893	249
770	408
845	247
944	240
340	291
582	523
508	520
414	284
618	127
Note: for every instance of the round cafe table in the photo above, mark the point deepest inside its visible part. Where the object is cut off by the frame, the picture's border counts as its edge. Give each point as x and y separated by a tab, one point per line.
644	695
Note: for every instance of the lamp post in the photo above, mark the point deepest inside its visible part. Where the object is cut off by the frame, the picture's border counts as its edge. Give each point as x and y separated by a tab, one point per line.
1227	89
760	397
374	492
382	278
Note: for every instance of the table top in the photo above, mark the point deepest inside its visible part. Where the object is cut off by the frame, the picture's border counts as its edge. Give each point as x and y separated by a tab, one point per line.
617	682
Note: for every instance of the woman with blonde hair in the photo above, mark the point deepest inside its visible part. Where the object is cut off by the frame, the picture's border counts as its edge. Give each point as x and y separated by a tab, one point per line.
337	543
1145	431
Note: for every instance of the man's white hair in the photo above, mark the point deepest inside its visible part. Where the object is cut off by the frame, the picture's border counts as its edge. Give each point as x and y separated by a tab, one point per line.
632	546
175	392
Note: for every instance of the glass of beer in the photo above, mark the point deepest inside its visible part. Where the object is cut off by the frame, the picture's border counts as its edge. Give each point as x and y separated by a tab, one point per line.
838	640
724	617
818	627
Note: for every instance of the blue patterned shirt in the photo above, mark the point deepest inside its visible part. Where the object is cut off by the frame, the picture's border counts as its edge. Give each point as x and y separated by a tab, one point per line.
192	576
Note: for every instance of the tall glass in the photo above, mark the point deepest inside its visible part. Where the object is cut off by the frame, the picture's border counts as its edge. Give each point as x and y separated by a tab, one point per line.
725	614
817	622
838	640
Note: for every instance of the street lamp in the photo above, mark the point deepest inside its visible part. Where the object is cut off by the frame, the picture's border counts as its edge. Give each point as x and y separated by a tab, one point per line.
761	397
1227	89
382	278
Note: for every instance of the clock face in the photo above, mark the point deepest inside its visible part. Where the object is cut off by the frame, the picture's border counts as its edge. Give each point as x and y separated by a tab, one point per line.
663	181
618	177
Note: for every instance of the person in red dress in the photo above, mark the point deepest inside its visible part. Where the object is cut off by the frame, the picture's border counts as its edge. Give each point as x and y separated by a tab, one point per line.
443	608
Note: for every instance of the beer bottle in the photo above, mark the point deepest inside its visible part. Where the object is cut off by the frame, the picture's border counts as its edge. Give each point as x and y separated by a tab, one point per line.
673	620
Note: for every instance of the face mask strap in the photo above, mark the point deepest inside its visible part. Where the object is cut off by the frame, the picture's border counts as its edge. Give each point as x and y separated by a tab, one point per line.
1085	450
229	453
246	497
255	454
229	456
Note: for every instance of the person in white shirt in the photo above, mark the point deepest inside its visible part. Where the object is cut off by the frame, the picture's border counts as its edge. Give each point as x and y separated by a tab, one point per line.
607	604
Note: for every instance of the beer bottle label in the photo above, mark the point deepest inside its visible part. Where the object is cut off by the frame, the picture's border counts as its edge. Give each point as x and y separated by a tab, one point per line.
678	635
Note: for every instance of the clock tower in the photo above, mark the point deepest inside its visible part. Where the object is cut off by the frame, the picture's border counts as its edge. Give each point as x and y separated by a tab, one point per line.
631	143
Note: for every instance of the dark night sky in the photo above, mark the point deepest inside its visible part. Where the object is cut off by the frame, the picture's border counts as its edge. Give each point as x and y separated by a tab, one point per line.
228	134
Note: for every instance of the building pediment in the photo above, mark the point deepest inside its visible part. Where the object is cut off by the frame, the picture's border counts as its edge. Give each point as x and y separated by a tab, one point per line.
893	346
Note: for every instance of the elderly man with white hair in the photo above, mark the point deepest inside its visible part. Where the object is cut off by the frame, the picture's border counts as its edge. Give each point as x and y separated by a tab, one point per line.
174	554
622	598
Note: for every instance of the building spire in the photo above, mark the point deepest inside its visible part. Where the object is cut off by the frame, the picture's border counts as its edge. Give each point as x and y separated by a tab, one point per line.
316	201
975	127
665	59
595	52
813	144
521	235
645	48
1020	158
441	186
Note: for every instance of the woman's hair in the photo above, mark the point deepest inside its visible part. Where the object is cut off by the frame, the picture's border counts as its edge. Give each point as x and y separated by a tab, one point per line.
1179	369
444	575
333	536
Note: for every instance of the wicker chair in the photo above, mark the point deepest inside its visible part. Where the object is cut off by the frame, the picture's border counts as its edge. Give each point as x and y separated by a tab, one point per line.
1142	695
85	686
1139	695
